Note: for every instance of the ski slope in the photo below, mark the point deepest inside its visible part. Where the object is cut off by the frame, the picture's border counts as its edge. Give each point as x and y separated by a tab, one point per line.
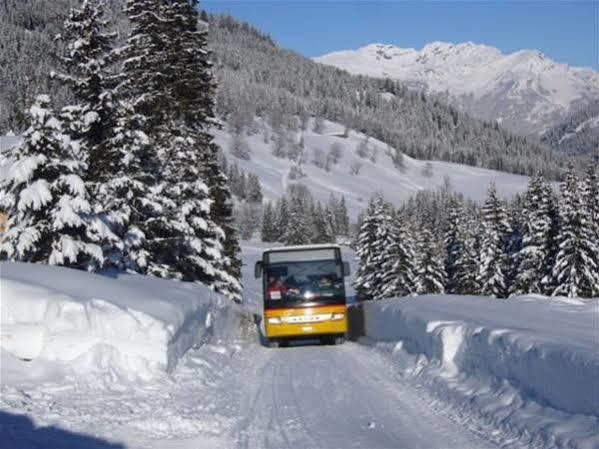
432	372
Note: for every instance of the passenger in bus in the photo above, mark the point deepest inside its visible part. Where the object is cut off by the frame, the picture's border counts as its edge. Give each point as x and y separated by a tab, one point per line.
275	289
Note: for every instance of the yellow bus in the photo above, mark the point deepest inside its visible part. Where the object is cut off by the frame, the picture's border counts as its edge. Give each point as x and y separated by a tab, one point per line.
304	293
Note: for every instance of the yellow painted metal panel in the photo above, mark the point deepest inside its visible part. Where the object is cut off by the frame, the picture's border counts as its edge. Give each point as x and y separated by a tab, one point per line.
316	321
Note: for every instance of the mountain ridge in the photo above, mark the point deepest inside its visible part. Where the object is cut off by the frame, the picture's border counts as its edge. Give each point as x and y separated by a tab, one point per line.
526	91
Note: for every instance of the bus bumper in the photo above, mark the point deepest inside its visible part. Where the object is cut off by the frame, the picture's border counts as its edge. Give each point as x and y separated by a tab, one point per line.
298	322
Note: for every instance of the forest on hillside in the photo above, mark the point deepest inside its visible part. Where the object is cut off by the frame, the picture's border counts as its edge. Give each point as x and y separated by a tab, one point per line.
257	78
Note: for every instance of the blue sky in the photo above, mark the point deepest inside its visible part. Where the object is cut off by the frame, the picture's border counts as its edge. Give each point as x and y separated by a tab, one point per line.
566	31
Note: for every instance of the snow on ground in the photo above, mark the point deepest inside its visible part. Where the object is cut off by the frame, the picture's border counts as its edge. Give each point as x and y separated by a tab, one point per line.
381	176
435	371
129	325
528	365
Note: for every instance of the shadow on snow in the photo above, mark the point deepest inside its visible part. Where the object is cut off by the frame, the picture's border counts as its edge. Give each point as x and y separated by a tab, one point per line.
19	432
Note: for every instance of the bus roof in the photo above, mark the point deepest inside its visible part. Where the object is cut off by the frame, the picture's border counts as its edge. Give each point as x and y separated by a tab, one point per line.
303	247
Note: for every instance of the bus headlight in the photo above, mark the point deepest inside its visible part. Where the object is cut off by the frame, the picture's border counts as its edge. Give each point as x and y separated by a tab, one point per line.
274	320
337	316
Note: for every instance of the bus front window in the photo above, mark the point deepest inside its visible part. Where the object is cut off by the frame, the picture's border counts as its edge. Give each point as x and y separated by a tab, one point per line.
298	282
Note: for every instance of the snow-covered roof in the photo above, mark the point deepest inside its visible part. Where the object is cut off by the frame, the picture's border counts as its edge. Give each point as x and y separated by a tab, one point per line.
303	247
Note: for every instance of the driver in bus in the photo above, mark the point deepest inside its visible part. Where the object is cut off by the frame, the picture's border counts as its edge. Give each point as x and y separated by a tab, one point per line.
276	290
292	286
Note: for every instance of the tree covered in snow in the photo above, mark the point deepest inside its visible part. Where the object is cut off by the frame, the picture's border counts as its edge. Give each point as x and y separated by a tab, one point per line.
269	227
90	117
369	247
532	259
576	268
46	199
493	258
454	246
430	269
297	231
466	264
398	259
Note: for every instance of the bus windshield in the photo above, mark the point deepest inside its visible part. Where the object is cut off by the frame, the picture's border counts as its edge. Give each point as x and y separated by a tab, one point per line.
304	282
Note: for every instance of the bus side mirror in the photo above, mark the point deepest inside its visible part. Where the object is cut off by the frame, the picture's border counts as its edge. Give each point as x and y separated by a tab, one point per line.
258	269
346	271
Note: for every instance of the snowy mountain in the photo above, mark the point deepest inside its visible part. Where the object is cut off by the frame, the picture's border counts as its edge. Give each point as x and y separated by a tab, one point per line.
524	91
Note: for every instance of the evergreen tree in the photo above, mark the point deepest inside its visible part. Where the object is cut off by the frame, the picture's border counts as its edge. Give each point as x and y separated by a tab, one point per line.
342	218
576	266
46	200
90	119
368	278
221	213
131	198
254	191
297	231
453	243
398	260
430	275
322	229
493	260
269	230
466	264
282	218
536	226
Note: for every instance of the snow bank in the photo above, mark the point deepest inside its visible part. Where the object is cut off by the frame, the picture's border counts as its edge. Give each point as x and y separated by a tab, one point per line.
129	325
528	364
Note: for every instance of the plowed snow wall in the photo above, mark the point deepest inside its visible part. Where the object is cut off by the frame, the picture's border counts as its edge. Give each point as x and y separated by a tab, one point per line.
546	349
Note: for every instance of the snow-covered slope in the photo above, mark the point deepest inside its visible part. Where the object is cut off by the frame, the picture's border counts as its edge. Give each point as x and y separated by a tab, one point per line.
381	176
525	90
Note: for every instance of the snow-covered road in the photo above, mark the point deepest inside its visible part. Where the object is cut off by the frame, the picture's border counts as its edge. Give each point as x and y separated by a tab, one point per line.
336	397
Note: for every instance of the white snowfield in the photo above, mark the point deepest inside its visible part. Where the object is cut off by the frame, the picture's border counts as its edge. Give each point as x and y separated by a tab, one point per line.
136	362
380	176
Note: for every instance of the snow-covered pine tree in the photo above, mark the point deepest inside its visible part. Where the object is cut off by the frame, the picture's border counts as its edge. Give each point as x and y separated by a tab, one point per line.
254	191
466	265
342	217
384	213
399	267
46	200
368	278
576	271
550	198
536	227
90	120
493	259
186	243
166	73
221	212
430	271
130	197
297	231
269	231
322	229
453	243
282	211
